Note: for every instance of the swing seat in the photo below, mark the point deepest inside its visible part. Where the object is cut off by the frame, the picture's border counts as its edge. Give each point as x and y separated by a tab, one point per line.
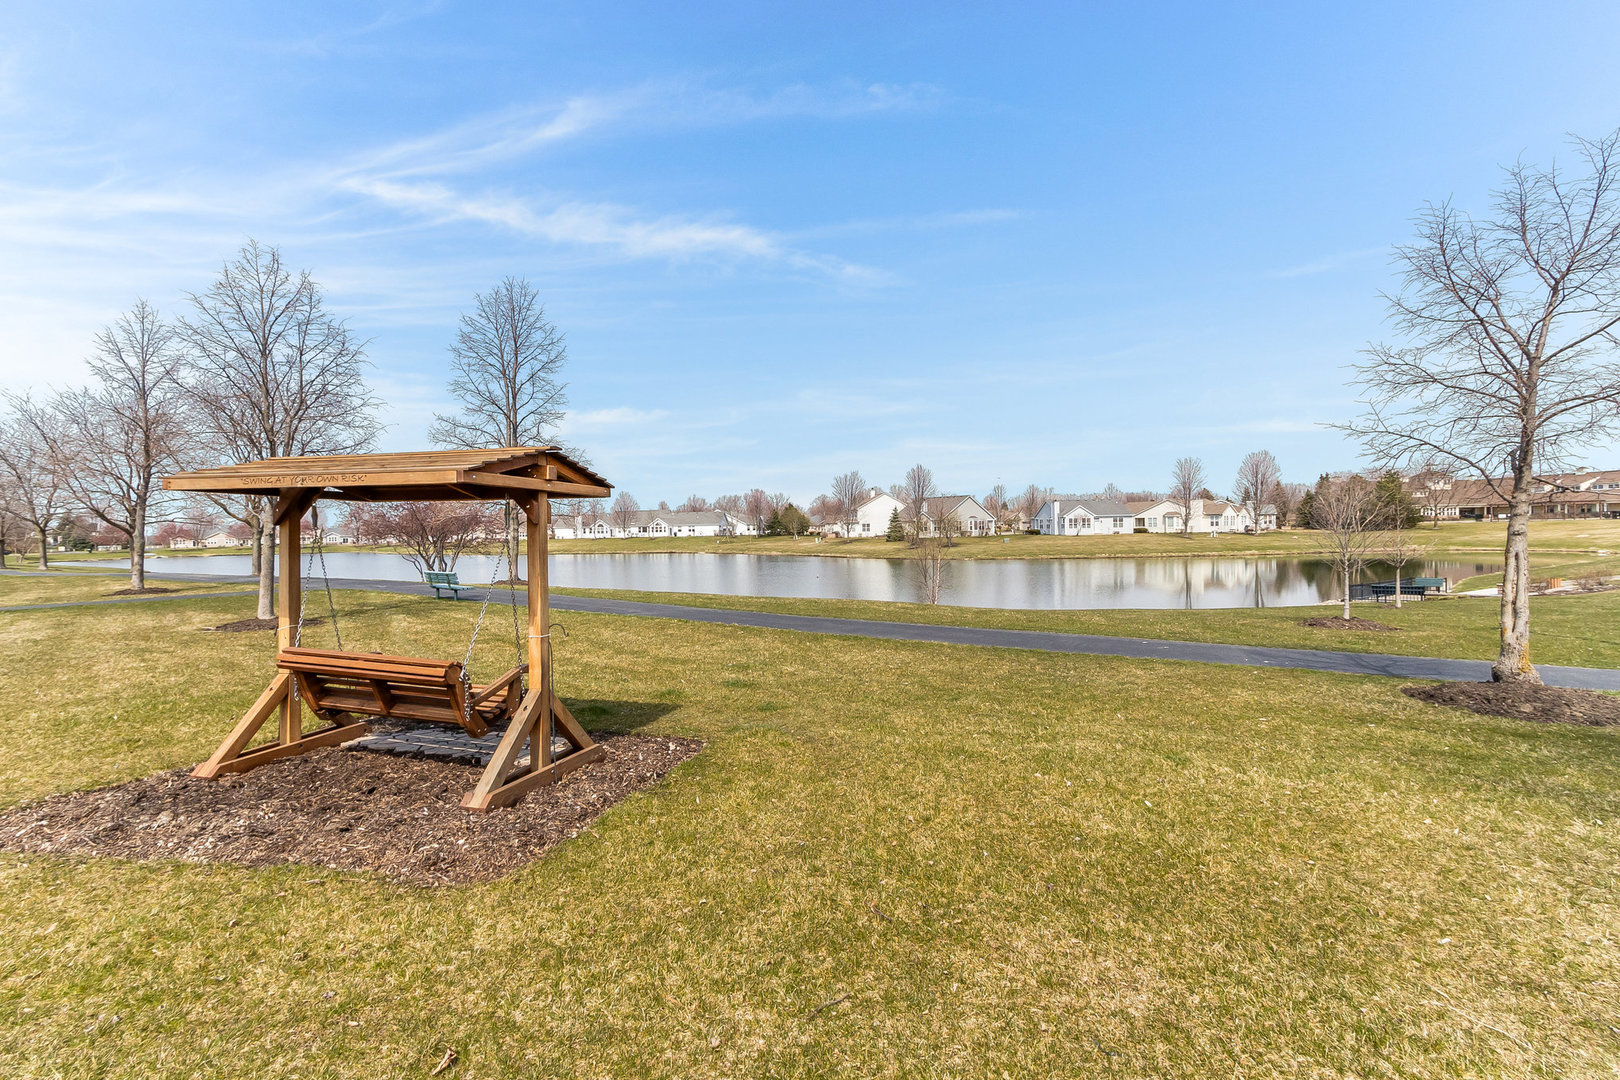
400	688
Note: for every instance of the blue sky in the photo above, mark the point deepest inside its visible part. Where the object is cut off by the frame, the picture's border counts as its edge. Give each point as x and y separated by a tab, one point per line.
1053	243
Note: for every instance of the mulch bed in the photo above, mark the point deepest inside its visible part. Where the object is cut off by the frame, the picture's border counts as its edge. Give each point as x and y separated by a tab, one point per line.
148	591
1523	701
341	809
1354	622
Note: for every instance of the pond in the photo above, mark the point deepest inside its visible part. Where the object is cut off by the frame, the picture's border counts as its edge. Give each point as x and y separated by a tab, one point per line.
992	583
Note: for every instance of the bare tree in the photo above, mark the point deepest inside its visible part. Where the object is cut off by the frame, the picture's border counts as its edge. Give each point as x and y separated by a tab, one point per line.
622	514
1400	546
505	362
825	510
915	491
757	510
730	504
996	503
431	535
1186	487
1285	497
1031	501
1346	513
1112	492
35	490
1257	479
694	504
114	439
928	563
1508	363
849	491
270	374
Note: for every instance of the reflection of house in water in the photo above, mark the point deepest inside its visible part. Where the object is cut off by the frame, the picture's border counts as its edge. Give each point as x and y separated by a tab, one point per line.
1167	583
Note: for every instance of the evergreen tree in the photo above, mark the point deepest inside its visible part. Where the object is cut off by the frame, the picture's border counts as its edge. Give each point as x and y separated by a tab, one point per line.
1399	506
897	528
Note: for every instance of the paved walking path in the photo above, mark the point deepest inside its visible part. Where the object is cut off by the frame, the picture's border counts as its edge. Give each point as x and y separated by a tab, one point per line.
1399	667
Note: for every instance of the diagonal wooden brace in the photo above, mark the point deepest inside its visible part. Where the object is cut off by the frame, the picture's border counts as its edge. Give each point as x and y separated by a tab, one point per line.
536	718
233	755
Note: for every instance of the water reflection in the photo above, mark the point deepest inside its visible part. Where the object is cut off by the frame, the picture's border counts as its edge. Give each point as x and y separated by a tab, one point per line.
998	583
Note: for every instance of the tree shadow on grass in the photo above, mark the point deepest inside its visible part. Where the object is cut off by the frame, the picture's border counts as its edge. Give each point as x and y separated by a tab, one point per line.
619	717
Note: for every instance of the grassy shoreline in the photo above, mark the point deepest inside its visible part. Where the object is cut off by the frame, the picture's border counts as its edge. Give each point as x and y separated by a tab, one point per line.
1547	538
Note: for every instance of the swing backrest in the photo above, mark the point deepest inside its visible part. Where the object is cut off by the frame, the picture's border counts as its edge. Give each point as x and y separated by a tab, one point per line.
374	684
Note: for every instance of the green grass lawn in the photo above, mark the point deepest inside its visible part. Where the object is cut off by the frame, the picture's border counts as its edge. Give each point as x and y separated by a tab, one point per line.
998	863
1582	631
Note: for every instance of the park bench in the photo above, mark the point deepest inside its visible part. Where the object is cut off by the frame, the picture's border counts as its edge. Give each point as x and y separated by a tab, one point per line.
399	688
445	579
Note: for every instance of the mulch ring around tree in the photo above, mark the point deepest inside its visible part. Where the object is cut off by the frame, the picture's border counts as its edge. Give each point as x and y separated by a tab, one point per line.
150	590
344	810
1354	622
1523	701
243	625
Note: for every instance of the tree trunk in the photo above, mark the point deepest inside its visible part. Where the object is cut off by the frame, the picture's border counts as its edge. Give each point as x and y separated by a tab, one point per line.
1513	662
44	548
267	562
512	560
1397	588
257	545
1347	591
137	549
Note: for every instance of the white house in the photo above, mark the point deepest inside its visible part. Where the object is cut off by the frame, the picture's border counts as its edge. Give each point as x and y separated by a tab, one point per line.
1071	515
971	518
1208	515
872	516
222	539
652	524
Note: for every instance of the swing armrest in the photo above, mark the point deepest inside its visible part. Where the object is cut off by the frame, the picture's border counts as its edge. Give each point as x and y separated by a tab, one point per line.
486	692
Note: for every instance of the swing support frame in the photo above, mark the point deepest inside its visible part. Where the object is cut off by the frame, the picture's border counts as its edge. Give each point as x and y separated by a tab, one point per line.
529	476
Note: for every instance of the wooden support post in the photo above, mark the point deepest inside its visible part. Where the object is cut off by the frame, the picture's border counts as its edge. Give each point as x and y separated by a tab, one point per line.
541	713
289	598
538	520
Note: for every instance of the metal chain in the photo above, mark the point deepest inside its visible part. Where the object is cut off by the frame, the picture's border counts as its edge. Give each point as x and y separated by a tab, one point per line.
320	550
466	679
317	550
511	592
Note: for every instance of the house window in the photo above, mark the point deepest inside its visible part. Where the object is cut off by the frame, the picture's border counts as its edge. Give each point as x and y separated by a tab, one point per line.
1153	523
866	526
1119	523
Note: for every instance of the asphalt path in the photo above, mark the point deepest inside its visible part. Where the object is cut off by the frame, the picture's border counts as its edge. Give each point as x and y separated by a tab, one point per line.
1347	663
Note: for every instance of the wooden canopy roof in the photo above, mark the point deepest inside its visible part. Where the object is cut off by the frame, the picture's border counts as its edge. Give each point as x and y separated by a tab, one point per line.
431	475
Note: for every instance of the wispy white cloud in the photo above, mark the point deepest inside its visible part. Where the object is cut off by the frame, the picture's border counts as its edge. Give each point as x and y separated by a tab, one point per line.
1327	264
326	42
605	225
650	107
912	222
591	420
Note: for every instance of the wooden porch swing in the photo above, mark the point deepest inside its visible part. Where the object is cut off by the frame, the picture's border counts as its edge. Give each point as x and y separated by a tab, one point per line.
342	688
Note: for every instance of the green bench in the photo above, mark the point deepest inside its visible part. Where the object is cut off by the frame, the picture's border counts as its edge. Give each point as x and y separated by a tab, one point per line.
445	579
